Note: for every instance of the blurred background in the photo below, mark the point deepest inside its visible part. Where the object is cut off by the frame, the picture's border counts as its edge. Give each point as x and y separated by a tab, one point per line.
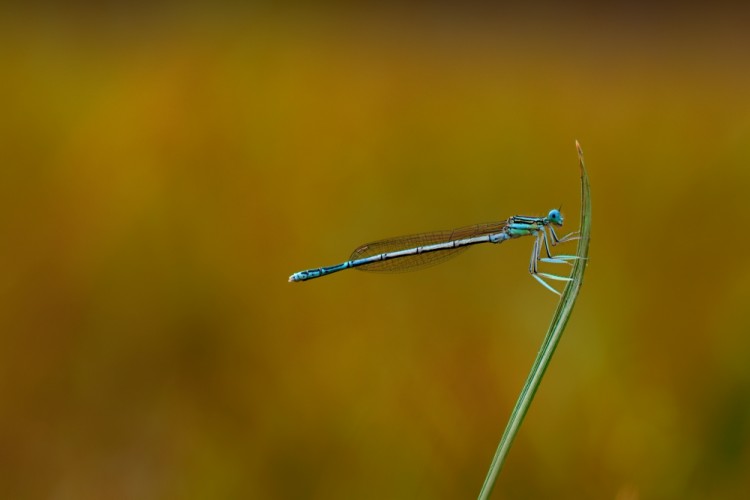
164	169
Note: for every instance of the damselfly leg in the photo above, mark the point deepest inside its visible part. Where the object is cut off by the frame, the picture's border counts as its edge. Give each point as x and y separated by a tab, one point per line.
541	242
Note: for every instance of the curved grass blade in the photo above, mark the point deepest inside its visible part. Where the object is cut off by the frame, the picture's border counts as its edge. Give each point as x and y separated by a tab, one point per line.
559	320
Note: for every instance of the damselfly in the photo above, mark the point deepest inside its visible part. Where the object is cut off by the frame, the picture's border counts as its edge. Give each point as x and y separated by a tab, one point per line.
416	251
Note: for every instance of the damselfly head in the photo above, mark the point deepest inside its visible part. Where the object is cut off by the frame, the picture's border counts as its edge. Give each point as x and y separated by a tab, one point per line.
555	217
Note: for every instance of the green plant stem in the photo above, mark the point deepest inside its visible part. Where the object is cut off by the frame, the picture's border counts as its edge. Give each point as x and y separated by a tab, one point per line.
559	320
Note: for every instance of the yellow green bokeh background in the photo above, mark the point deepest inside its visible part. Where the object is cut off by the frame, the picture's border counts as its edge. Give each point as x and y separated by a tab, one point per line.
165	169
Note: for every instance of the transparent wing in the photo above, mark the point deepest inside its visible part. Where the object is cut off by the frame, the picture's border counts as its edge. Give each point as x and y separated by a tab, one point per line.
422	260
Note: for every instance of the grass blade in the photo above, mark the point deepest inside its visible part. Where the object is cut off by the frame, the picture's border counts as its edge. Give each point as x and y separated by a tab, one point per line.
559	320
